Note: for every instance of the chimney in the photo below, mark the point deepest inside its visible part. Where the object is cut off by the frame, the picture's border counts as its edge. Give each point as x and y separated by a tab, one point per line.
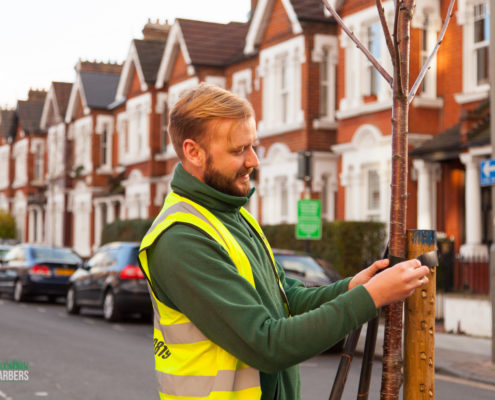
36	95
156	30
95	66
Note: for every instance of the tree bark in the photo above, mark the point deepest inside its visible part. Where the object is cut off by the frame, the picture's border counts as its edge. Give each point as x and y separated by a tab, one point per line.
392	347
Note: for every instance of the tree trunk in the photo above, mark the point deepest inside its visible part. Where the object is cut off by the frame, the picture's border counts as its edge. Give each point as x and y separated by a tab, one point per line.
392	348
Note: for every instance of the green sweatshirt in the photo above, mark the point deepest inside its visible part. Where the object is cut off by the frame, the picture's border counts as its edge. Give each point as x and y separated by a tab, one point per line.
192	273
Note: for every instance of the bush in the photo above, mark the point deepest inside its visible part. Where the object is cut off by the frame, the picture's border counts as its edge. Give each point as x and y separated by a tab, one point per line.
348	245
7	225
130	230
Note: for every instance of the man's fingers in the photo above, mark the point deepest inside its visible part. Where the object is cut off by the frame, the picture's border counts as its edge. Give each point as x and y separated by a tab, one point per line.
380	264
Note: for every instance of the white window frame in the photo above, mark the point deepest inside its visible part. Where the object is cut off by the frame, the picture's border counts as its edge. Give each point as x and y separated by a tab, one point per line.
138	116
19	152
293	51
82	145
471	90
104	123
356	66
38	151
4	166
326	46
242	83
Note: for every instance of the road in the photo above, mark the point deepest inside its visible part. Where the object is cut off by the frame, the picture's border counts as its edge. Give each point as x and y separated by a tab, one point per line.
84	357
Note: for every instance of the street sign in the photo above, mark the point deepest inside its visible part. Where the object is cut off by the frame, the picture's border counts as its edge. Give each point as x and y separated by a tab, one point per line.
308	219
487	172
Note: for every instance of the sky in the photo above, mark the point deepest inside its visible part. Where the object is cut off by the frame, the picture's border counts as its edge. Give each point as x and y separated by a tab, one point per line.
42	40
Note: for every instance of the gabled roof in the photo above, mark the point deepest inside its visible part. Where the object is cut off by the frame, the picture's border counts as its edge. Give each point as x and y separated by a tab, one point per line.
8	123
145	55
62	94
202	43
99	88
213	44
150	53
56	102
311	10
29	111
297	10
95	86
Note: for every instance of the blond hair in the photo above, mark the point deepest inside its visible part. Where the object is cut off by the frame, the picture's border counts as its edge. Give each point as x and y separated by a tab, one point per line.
190	117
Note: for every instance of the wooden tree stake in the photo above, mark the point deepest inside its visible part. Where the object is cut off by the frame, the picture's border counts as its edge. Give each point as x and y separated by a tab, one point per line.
419	326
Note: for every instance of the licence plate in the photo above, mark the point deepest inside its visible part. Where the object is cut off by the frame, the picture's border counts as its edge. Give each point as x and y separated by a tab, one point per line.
63	271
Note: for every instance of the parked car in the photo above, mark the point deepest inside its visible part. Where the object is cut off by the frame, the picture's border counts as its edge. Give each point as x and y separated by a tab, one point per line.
37	270
4	249
305	268
111	280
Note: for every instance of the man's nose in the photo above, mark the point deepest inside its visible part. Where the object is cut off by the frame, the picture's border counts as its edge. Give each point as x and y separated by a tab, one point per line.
252	159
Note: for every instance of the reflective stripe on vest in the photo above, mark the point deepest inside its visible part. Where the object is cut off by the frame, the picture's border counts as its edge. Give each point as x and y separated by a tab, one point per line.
189	366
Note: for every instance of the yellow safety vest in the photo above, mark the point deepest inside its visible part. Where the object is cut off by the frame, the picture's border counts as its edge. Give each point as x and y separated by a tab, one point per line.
188	365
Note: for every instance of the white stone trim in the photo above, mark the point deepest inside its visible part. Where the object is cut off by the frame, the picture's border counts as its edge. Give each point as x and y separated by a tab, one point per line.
463	98
137	195
364	108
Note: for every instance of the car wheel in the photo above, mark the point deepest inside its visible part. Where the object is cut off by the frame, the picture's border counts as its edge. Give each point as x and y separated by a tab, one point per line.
111	312
19	292
70	302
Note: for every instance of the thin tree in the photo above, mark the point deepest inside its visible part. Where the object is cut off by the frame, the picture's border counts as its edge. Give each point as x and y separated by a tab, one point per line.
398	44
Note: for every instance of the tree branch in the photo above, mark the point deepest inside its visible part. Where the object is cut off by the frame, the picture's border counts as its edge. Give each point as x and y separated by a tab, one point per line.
386	32
360	46
397	65
429	60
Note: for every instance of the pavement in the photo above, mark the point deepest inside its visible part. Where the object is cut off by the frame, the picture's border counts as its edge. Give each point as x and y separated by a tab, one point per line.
461	356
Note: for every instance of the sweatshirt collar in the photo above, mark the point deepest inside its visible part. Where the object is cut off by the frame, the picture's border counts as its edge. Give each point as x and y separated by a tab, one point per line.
184	184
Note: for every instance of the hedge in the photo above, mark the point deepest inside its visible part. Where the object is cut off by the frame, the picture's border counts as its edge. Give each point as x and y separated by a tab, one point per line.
348	245
7	225
130	230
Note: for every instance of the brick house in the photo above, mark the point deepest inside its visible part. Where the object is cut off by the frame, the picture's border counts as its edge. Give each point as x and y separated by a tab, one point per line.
90	129
141	130
8	123
445	148
57	221
29	163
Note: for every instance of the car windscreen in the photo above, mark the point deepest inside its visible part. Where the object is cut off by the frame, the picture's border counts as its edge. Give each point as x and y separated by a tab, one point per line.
58	255
299	263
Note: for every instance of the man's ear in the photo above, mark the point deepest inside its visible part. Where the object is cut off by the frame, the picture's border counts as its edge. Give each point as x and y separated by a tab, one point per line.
193	153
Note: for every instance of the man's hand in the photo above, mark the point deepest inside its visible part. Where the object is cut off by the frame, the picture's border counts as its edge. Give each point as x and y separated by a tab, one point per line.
393	284
366	274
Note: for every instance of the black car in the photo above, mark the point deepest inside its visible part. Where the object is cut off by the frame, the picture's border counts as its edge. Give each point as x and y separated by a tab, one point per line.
305	268
37	270
111	280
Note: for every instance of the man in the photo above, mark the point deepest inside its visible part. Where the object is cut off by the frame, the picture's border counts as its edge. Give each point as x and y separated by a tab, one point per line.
228	323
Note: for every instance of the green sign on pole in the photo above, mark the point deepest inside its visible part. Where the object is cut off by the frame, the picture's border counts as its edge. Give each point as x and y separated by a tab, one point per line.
308	219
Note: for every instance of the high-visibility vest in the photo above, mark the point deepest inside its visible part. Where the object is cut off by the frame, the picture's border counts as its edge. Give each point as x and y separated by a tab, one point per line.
188	365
